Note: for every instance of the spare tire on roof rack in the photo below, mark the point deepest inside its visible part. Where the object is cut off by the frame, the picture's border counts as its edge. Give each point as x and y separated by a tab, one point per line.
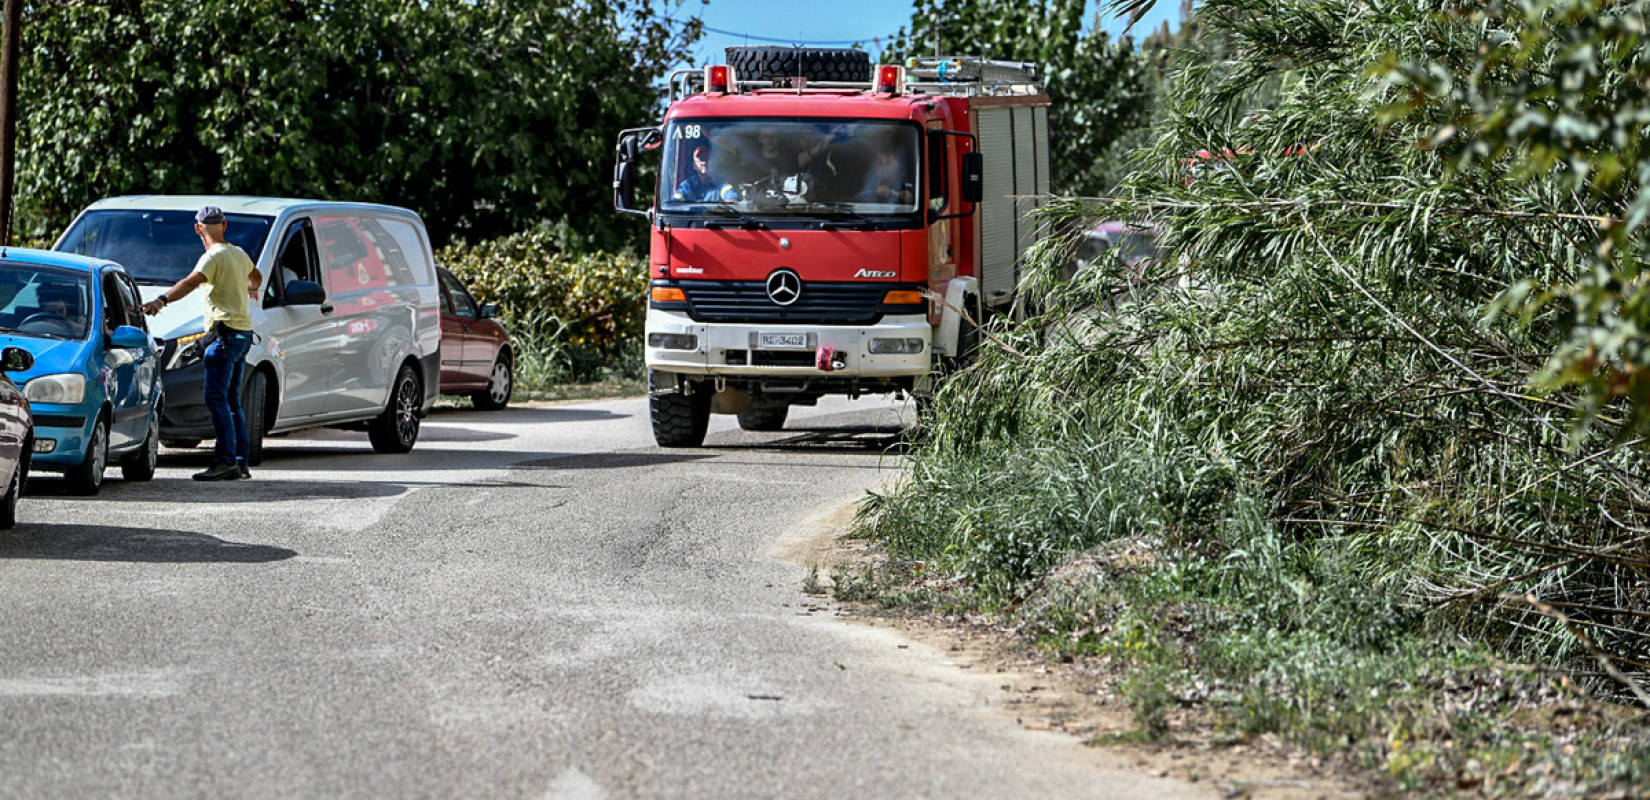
838	65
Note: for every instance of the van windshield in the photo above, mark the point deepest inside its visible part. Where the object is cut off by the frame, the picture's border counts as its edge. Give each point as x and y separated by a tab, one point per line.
790	167
156	247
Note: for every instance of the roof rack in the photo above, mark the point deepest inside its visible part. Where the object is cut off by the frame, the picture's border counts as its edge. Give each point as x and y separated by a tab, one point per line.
684	82
972	75
956	75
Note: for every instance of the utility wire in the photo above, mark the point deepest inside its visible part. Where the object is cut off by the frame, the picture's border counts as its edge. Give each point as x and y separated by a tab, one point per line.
778	40
755	38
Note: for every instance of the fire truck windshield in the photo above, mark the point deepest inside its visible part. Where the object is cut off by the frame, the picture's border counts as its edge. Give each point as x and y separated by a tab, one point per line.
790	167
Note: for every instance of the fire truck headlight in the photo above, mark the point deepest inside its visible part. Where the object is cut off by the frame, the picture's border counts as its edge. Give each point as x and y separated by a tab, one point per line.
673	341
896	347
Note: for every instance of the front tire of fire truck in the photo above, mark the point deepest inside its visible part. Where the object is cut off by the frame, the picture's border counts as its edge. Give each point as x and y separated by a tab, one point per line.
838	65
965	350
679	420
764	415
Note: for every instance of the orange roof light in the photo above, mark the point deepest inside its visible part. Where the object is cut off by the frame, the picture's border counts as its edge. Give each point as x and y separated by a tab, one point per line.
718	78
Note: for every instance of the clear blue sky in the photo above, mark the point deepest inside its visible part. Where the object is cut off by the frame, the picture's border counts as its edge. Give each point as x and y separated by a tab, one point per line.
839	23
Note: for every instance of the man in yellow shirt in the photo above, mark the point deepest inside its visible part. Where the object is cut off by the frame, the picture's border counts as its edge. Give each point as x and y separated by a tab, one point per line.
231	280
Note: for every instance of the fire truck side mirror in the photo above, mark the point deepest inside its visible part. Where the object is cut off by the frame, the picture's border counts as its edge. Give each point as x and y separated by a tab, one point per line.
624	188
973	177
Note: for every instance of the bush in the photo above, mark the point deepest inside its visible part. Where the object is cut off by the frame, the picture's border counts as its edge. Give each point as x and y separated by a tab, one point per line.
573	318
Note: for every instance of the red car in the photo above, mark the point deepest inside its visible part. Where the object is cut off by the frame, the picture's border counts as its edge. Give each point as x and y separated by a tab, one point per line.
16	433
476	358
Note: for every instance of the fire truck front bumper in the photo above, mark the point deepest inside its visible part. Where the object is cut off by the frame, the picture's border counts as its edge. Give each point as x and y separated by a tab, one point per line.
897	347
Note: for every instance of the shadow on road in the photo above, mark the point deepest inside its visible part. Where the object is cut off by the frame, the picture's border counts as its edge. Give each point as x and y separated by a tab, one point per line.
628	460
186	490
522	416
281	458
104	543
846	439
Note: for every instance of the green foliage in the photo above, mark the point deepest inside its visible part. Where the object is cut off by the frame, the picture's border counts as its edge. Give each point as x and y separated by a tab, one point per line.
1292	473
485	117
573	317
1102	91
1555	97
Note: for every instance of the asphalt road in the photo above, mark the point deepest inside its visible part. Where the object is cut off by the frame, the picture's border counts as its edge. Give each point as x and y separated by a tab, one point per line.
535	603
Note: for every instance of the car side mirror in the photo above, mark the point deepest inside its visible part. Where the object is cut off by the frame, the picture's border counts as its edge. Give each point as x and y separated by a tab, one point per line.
488	311
16	359
304	293
129	337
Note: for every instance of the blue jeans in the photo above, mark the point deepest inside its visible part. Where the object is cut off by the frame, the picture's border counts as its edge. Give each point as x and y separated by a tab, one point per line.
225	361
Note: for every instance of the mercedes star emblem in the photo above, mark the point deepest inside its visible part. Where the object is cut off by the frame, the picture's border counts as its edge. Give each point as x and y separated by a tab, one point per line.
784	287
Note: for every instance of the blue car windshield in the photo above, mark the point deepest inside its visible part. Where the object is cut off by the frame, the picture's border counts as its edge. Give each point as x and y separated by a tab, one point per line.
46	302
156	247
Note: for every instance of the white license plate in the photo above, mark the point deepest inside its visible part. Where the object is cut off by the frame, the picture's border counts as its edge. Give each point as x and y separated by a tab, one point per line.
782	340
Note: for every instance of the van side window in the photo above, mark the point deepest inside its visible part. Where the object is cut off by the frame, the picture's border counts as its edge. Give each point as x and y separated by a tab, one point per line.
411	247
348	257
296	261
397	270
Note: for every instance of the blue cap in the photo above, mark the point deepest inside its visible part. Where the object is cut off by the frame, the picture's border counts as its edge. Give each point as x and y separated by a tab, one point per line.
210	215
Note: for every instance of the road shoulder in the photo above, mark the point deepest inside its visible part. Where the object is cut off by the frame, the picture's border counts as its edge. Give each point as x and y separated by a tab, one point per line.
1073	699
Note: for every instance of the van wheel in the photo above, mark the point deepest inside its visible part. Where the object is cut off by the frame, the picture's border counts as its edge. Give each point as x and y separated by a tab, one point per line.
140	466
86	478
764	415
254	398
396	430
499	387
14	492
678	420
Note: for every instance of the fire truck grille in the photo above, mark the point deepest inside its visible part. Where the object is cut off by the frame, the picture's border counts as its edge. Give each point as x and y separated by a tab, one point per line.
747	301
771	358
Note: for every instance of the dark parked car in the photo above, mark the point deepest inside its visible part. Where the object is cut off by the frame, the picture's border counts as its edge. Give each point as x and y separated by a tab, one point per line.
476	357
16	432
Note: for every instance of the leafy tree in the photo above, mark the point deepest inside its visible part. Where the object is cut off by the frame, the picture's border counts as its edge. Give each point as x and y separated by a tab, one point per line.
1351	196
1102	91
486	117
1556	98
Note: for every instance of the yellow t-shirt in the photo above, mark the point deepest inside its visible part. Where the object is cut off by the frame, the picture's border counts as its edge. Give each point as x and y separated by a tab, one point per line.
226	268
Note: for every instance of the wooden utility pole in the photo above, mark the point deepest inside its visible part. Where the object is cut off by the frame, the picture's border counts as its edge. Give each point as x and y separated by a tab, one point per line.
9	43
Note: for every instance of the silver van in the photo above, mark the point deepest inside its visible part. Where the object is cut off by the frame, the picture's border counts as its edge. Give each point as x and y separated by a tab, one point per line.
348	330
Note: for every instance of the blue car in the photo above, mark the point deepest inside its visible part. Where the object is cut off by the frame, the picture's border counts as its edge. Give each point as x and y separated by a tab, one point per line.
94	385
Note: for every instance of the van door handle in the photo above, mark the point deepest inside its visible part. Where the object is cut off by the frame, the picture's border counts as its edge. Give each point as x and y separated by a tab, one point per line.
326	309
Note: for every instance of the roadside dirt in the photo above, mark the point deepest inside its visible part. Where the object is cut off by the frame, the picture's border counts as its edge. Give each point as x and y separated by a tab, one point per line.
1076	697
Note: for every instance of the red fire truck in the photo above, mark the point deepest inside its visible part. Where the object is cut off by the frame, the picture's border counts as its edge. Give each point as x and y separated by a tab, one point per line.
820	226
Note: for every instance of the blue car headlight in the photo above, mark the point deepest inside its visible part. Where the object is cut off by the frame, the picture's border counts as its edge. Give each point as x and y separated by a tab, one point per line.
65	387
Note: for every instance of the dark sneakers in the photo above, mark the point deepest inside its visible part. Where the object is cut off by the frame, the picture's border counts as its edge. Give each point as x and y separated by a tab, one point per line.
246	474
220	472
